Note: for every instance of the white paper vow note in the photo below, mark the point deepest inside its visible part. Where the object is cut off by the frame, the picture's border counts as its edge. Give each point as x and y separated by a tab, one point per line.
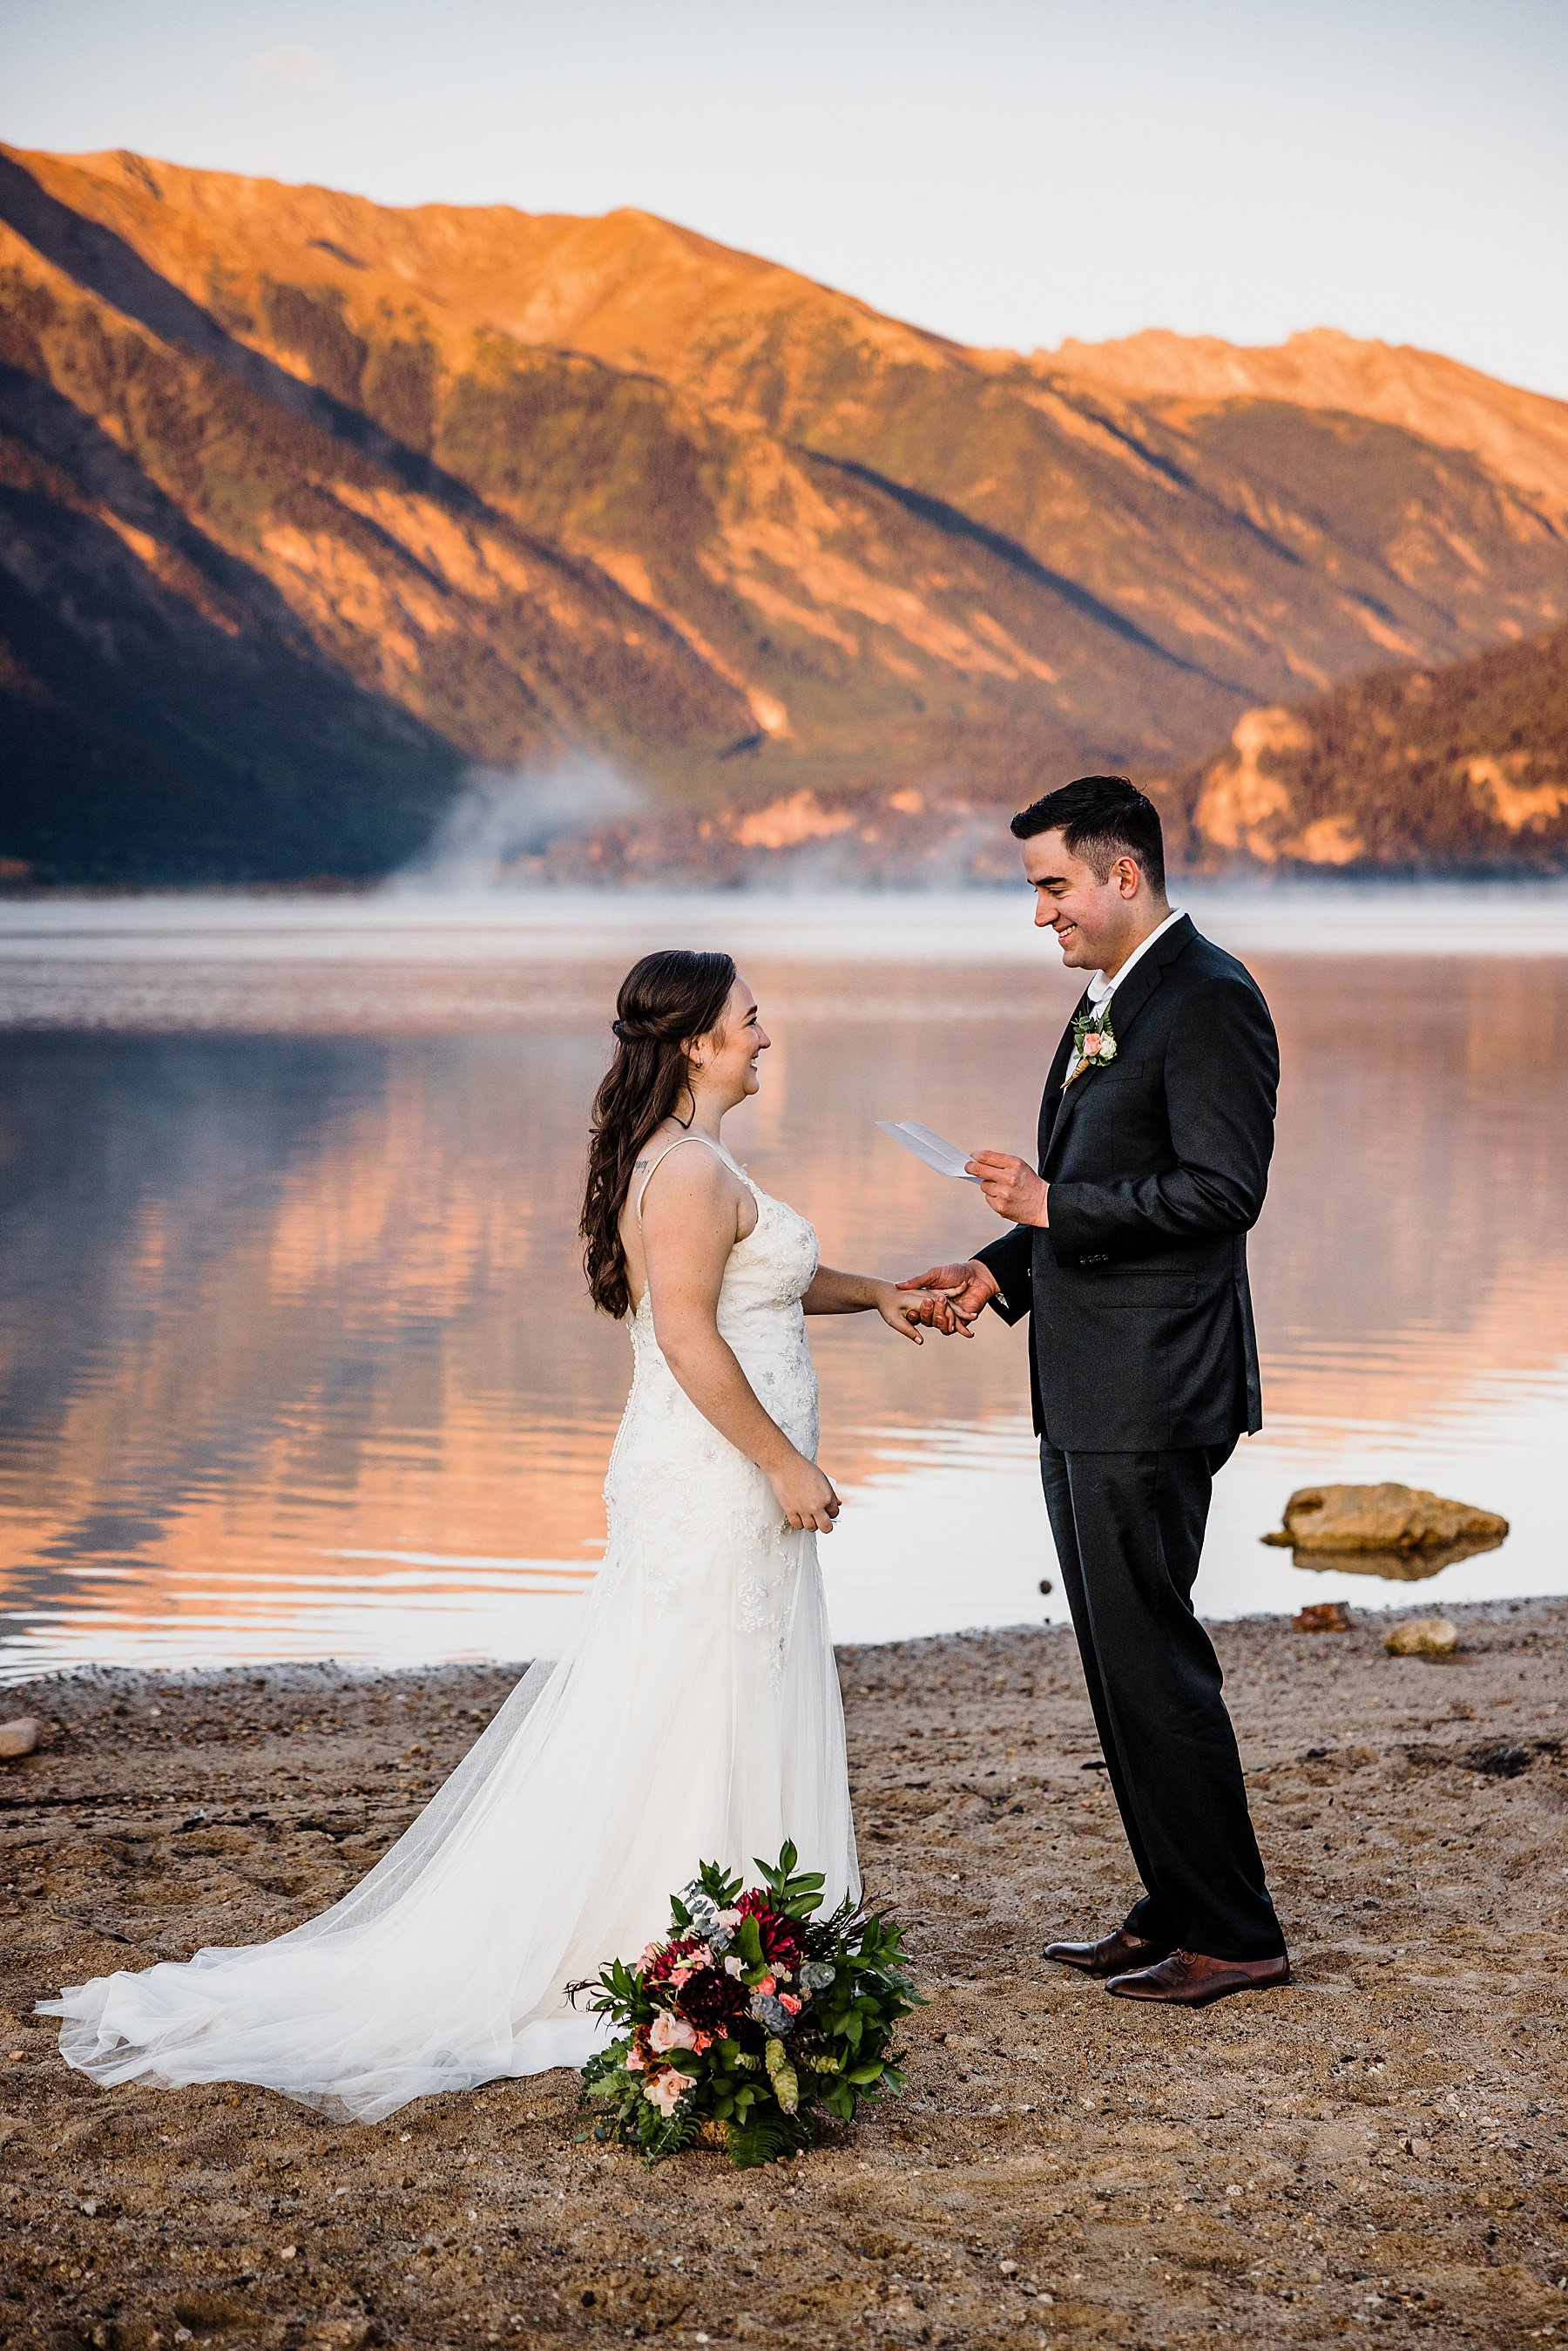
934	1149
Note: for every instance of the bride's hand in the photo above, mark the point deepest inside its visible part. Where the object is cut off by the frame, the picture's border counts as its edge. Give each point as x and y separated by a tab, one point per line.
899	1310
804	1496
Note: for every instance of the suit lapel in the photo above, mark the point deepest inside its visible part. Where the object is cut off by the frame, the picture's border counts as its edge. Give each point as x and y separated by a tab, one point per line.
1051	1099
1127	1002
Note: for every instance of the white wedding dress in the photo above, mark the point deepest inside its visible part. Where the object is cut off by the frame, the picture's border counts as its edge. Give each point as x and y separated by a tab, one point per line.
693	1715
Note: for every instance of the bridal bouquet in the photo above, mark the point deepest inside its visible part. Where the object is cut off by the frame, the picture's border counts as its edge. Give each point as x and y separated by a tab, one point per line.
749	2018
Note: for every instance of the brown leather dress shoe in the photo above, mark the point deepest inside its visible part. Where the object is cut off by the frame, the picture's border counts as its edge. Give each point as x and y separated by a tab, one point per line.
1189	1980
1113	1955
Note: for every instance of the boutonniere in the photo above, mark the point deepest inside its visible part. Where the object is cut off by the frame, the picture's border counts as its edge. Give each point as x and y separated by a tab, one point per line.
1092	1041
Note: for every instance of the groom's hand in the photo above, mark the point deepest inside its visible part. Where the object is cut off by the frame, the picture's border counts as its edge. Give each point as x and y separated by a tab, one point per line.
954	1295
1011	1186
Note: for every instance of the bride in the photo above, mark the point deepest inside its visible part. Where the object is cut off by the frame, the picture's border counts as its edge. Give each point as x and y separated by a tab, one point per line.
693	1714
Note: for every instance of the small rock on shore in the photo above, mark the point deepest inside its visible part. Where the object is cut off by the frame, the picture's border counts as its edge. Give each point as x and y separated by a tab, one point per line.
1423	1636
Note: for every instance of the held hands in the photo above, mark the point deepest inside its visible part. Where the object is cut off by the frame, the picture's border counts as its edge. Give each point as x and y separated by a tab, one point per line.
949	1297
900	1311
805	1495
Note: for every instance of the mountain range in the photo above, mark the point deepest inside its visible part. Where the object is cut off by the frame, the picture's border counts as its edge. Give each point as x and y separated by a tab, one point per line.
310	506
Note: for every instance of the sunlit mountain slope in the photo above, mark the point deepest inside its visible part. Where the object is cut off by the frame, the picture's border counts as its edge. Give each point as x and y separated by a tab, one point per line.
307	504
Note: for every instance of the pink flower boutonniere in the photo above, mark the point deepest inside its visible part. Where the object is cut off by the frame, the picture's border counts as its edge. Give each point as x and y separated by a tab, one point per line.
1093	1042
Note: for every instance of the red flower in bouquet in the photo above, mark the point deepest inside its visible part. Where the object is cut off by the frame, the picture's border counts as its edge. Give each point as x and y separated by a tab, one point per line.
712	2000
782	1946
675	1959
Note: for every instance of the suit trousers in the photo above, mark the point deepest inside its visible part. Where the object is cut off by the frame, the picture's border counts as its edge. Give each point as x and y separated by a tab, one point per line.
1128	1529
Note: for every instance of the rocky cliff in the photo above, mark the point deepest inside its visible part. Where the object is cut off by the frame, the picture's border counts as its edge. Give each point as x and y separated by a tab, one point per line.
1463	769
307	504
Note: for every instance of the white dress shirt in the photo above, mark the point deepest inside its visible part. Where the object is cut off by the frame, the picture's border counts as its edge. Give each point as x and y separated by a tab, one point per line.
1101	989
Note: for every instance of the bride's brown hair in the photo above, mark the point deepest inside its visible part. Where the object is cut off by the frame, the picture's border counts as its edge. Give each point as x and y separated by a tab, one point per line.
665	1000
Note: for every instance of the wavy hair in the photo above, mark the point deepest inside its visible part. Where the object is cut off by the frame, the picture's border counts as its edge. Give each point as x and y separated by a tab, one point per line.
666	1000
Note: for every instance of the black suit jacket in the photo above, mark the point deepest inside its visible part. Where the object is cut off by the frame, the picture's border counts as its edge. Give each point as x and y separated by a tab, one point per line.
1158	1163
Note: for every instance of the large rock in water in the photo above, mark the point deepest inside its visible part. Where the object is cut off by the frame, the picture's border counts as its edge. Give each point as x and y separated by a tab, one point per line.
1402	1520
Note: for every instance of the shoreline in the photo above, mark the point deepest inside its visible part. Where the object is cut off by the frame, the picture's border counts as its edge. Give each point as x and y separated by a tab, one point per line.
1369	1613
1383	2143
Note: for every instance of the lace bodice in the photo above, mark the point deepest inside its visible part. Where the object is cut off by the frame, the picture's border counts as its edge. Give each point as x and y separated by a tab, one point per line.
759	1314
676	1486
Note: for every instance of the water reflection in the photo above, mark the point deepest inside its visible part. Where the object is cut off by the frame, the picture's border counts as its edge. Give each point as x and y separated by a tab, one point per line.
294	1358
1394	1566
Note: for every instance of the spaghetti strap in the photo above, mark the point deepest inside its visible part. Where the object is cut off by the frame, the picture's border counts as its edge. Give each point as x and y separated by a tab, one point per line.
664	1155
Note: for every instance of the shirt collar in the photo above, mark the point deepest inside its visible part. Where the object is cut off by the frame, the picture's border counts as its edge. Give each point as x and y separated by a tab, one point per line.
1100	987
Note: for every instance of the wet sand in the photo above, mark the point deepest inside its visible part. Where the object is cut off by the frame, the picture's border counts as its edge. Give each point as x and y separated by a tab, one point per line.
1381	2148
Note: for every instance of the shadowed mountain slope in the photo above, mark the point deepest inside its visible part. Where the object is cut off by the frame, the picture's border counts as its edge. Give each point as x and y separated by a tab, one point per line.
308	503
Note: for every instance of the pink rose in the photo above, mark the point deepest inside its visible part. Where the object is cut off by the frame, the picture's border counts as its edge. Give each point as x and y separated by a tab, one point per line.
649	1954
787	2000
1092	1046
671	2033
768	1984
636	2062
666	2089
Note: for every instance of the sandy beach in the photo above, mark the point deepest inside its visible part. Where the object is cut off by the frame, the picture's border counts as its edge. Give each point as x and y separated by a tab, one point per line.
1380	2147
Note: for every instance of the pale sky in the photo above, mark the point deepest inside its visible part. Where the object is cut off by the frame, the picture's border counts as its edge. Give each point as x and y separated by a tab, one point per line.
1009	171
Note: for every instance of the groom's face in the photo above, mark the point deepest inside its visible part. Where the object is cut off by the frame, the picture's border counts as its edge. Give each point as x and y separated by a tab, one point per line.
1092	918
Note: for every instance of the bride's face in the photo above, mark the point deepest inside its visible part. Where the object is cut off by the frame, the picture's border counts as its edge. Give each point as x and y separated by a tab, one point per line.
725	1061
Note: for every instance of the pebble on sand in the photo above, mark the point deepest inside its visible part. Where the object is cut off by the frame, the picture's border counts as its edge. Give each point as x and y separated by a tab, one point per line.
1323	1616
1423	1636
19	1738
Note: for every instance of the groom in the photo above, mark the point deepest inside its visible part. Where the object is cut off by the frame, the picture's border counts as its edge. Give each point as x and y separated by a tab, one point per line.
1128	1252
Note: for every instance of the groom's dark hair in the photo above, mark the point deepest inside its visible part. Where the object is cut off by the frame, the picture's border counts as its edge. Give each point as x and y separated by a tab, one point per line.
1101	818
